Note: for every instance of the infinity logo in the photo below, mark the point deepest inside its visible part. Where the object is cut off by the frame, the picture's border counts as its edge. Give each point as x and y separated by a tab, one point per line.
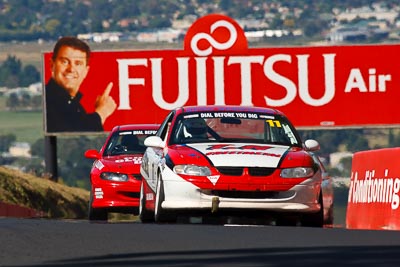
213	43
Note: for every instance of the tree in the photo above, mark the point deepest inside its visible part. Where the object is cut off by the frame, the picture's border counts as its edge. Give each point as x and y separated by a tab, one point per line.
36	102
13	101
13	75
311	28
52	26
25	101
37	148
74	168
12	64
6	141
29	76
159	22
9	71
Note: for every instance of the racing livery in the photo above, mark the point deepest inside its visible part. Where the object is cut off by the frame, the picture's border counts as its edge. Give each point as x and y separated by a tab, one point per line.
225	159
115	175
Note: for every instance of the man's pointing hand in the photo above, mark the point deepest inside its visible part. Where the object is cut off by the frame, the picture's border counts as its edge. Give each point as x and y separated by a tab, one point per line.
105	104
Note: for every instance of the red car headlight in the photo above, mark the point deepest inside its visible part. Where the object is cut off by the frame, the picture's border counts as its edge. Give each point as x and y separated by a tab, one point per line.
298	172
113	176
192	170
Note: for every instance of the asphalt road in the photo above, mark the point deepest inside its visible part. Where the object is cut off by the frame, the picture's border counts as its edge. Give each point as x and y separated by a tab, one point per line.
41	242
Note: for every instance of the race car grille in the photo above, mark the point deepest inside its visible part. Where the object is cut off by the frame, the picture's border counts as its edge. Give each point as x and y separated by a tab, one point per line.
259	171
131	194
244	194
234	171
253	171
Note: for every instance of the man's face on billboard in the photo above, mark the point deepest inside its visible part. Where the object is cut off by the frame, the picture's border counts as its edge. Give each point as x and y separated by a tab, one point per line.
69	69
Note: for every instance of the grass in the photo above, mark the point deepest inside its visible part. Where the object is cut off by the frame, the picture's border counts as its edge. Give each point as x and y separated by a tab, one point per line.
27	126
54	200
50	199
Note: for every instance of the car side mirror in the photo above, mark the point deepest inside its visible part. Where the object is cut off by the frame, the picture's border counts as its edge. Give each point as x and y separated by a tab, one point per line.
92	154
154	141
311	145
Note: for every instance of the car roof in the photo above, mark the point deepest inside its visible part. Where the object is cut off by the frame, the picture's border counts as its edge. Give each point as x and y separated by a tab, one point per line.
127	127
229	108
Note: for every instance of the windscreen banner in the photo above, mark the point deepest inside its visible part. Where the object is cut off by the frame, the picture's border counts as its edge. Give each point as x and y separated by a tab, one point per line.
374	197
316	87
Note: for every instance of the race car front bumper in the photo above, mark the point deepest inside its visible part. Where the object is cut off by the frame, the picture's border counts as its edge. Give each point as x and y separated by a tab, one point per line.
181	194
115	195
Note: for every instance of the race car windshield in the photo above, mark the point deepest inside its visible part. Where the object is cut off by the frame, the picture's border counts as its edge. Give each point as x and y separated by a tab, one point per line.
128	142
234	127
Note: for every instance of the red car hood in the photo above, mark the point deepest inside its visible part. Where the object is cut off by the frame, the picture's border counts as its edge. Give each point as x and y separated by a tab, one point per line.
123	164
250	155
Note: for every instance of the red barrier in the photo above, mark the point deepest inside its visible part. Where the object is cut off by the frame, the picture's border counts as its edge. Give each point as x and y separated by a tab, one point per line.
374	201
12	210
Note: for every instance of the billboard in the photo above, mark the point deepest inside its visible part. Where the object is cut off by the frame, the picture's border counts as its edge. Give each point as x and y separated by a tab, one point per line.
322	86
374	197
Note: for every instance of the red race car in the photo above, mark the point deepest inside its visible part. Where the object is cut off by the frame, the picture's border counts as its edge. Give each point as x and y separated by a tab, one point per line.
115	175
232	161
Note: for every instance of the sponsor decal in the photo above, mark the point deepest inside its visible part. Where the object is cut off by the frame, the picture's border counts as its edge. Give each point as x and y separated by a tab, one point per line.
149	196
135	160
232	154
213	178
230	149
240	115
139	132
373	189
99	165
98	193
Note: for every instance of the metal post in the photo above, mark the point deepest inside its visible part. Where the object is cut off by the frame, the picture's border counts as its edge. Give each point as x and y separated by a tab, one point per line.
50	157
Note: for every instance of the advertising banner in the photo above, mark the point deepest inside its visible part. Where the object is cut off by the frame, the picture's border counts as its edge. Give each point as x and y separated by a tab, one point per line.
373	201
323	86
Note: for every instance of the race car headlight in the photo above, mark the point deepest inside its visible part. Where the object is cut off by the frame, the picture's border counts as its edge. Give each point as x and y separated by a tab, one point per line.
299	172
113	176
192	170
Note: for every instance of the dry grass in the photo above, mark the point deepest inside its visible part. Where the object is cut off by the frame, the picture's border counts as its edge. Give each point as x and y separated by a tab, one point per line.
52	199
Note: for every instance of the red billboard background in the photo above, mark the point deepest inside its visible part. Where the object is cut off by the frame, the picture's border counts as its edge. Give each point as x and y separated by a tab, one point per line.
323	86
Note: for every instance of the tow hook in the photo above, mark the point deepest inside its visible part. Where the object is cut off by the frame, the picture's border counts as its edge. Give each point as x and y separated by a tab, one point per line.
215	204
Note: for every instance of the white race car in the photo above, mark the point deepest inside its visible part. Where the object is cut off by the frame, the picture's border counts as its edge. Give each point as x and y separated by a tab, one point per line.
222	160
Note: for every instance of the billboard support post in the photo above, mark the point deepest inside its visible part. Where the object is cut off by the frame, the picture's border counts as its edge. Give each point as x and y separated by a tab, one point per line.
50	155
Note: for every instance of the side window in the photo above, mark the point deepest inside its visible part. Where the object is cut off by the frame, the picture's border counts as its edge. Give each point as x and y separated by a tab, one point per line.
111	144
162	131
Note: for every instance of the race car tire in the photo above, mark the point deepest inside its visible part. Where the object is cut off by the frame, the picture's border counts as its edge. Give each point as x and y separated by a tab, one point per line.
315	219
145	215
160	215
96	214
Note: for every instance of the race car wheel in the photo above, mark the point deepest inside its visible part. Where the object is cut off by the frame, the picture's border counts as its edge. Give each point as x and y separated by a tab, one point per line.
160	215
96	214
144	214
315	219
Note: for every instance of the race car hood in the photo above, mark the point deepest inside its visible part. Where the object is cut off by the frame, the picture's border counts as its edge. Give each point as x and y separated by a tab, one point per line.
122	164
234	154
